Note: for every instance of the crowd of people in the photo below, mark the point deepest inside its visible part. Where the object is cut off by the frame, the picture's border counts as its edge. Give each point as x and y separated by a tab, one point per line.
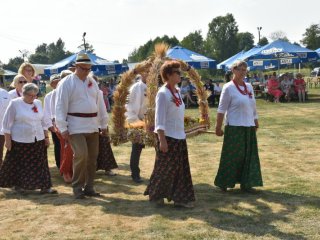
283	87
75	112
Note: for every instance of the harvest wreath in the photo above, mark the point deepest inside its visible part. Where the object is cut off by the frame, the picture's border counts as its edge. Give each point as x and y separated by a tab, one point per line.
142	132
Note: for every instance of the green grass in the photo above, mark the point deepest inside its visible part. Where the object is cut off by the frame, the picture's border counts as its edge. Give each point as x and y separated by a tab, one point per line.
288	206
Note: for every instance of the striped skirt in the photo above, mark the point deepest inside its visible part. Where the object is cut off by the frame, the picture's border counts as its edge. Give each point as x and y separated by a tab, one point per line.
26	166
171	177
239	162
106	160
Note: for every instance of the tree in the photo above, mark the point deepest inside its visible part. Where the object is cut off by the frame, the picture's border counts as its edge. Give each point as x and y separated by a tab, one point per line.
279	35
14	64
89	48
194	42
48	54
145	50
222	37
312	37
263	41
245	41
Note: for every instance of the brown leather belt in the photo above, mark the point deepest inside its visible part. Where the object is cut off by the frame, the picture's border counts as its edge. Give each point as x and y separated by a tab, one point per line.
83	115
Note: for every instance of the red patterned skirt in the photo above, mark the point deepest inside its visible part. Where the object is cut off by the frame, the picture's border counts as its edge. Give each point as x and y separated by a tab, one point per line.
106	160
171	177
26	166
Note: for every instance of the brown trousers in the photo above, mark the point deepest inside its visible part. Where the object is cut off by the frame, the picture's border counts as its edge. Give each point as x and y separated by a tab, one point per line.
85	148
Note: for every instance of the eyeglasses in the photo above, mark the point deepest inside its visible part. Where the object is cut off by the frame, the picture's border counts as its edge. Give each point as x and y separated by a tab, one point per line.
85	69
31	95
23	82
28	70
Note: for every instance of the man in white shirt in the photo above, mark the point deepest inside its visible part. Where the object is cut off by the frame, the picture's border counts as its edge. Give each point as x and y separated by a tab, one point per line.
79	113
54	79
136	109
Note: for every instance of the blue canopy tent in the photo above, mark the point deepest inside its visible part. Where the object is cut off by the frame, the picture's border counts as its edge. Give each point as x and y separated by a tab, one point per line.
100	66
195	60
279	53
226	64
318	51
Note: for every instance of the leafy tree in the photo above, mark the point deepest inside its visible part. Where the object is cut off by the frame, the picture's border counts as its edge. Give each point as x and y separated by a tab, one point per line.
89	48
194	42
312	37
245	41
279	35
14	64
263	41
146	50
222	37
48	54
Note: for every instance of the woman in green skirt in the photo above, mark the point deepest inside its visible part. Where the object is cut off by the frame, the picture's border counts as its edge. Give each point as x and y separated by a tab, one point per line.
239	162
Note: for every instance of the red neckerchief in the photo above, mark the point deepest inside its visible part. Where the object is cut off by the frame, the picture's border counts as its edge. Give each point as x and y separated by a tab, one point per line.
176	100
18	93
243	92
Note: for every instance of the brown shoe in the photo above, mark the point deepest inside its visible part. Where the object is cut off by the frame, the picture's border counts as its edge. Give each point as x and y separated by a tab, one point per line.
78	194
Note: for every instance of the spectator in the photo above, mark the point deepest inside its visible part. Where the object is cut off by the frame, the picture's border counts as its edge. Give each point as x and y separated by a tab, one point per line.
186	92
286	86
273	86
300	87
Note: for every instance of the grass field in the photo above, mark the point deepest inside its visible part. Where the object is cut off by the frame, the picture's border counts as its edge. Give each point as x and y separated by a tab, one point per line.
287	207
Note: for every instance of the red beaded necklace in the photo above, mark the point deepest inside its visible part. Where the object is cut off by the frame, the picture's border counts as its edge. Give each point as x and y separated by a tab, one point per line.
243	92
175	99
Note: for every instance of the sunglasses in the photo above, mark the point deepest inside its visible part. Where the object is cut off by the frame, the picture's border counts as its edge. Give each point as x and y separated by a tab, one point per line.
85	69
22	82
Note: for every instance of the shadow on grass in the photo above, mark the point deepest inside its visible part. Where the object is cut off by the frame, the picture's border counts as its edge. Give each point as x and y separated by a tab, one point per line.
234	211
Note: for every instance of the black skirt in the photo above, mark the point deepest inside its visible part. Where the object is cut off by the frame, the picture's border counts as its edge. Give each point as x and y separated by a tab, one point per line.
26	166
171	177
106	160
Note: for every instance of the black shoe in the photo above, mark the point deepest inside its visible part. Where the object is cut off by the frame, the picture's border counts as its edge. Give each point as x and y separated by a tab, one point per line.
78	194
91	193
137	180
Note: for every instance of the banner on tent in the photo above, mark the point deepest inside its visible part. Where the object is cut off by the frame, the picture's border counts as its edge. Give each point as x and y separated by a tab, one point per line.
257	63
204	65
285	61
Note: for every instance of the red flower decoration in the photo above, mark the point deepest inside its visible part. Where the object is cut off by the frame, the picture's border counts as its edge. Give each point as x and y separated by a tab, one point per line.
89	84
35	109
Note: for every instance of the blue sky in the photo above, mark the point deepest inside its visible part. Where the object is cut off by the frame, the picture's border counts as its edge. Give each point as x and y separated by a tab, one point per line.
116	27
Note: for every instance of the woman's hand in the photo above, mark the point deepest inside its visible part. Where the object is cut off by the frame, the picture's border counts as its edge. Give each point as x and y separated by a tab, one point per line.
47	142
219	132
163	145
8	145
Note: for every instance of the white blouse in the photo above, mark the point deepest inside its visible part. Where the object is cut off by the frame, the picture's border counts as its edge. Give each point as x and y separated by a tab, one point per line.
47	109
240	109
168	116
76	96
23	123
137	104
4	102
13	94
